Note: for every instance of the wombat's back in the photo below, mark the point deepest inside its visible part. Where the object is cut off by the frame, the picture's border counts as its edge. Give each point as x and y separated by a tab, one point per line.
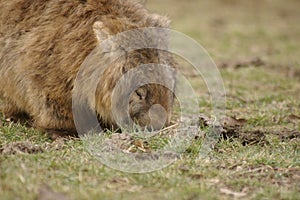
42	45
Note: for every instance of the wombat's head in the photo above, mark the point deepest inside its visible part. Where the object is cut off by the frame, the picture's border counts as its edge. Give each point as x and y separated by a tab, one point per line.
138	85
136	88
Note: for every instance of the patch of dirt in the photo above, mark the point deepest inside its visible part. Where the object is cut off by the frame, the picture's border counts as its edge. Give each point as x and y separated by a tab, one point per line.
247	137
233	128
24	147
27	147
290	71
255	62
295	74
286	134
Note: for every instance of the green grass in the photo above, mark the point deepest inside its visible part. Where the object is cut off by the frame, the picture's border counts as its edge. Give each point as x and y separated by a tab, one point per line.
266	96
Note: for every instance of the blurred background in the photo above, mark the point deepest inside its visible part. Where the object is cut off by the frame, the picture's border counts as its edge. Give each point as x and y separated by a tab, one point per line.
238	29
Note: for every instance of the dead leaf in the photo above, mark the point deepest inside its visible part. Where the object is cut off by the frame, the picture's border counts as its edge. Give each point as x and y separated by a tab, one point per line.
118	180
131	149
204	120
197	176
227	121
213	181
46	193
184	168
121	136
21	148
138	143
232	122
232	193
294	117
57	144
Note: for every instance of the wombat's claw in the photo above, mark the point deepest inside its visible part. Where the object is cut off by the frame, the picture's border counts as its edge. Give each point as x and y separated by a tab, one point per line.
15	118
9	119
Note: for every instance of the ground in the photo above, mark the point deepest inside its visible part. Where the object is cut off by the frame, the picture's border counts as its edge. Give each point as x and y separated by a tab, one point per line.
256	46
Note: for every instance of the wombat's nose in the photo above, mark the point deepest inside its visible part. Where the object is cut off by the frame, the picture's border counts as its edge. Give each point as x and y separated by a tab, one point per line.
158	117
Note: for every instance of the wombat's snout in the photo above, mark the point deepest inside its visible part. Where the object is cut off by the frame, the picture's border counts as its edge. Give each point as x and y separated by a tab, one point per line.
148	116
157	116
153	119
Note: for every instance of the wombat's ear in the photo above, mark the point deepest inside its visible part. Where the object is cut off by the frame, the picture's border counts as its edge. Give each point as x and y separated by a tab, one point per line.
159	21
101	31
143	1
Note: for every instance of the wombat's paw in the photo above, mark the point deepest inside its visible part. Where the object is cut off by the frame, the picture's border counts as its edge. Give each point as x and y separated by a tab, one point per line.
22	118
55	134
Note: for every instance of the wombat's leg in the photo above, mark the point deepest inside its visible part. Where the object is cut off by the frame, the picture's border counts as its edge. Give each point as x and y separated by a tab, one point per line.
54	124
54	132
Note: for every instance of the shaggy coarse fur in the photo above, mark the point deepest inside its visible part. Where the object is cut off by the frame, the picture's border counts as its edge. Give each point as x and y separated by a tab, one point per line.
42	46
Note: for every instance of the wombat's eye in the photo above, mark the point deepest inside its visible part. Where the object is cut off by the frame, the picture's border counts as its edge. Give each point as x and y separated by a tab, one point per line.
142	93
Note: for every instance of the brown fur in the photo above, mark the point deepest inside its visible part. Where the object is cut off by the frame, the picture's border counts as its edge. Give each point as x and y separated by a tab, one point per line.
43	44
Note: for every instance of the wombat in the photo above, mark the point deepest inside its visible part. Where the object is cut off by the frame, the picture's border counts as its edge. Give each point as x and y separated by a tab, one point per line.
42	46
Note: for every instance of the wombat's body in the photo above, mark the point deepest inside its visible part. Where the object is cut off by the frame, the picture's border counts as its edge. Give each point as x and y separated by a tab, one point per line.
42	46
